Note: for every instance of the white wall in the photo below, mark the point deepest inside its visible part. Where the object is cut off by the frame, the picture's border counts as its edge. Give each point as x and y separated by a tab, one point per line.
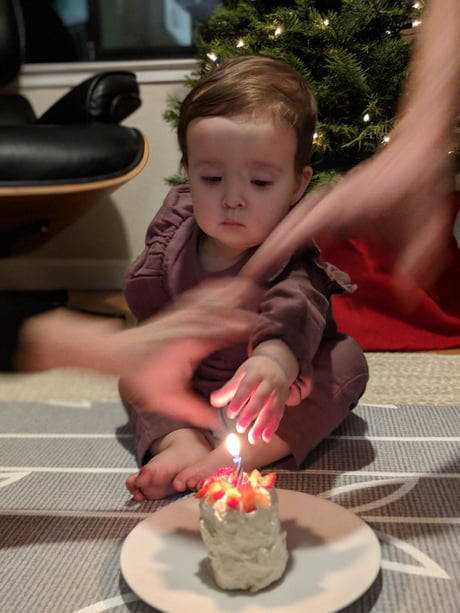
94	252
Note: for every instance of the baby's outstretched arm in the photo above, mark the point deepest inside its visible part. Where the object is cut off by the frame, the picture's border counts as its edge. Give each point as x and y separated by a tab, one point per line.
259	390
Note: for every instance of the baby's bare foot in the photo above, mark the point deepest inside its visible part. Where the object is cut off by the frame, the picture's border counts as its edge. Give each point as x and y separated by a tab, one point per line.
192	475
254	456
175	452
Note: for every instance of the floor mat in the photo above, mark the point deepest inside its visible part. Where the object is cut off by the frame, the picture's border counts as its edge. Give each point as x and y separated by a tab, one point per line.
64	511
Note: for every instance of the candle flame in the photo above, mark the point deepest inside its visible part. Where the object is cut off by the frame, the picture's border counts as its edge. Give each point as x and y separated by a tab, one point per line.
232	443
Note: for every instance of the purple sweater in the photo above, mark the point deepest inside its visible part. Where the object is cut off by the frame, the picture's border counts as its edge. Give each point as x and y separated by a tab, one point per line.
295	306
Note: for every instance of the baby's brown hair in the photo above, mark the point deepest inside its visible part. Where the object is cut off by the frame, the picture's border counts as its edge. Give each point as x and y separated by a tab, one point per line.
256	86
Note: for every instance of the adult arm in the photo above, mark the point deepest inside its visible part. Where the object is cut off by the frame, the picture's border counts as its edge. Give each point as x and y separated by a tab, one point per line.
400	196
157	359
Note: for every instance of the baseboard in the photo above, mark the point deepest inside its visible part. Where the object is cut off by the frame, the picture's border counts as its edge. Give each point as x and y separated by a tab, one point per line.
81	274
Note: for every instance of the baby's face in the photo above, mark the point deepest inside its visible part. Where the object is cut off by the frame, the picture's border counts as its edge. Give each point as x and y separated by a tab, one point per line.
243	178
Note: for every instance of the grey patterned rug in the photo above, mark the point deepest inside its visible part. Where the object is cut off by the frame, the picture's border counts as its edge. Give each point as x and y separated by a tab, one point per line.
64	511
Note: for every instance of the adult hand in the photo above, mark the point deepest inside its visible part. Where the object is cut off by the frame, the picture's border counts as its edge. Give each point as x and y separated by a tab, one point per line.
398	199
174	343
156	359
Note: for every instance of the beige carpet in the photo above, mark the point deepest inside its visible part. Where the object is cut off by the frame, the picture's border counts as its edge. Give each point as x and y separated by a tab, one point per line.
413	378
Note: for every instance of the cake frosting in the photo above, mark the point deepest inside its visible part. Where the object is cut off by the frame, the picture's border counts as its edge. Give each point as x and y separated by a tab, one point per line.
240	526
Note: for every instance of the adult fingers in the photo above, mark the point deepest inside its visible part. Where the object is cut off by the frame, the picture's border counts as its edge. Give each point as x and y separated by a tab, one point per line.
194	322
314	213
426	253
186	336
232	292
164	387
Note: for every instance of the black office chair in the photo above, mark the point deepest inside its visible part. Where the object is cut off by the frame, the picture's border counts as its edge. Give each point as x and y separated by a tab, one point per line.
54	167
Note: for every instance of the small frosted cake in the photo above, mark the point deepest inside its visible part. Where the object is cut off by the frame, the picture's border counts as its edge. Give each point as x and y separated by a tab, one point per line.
240	526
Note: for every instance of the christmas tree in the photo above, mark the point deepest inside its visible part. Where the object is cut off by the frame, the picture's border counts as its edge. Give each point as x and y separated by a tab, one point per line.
353	53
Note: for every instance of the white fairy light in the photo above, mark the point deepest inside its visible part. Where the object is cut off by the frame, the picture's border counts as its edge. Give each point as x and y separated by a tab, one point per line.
240	43
326	21
315	136
212	56
416	5
366	117
388	32
416	23
279	30
386	140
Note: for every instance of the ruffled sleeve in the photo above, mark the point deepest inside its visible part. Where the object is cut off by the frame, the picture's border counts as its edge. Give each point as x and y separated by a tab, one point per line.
146	282
294	311
339	281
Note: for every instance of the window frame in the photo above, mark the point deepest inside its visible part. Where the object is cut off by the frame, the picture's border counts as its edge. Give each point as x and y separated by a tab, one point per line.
130	53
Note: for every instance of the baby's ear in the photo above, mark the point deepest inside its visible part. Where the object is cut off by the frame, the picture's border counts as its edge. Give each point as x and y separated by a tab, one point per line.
304	179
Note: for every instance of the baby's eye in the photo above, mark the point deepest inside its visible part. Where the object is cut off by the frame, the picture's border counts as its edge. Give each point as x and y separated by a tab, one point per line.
261	183
211	179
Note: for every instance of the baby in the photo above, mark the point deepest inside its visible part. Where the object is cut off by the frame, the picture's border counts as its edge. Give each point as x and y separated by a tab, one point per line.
245	132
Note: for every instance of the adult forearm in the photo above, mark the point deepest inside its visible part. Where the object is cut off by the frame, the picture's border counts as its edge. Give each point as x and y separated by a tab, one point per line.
61	338
432	92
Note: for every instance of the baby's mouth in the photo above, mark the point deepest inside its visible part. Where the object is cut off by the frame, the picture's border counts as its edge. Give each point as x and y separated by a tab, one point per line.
231	222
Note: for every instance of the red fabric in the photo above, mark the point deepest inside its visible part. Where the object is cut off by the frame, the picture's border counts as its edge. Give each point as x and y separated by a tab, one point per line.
378	319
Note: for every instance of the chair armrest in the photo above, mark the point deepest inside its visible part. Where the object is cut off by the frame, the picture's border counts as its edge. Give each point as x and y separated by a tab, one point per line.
108	97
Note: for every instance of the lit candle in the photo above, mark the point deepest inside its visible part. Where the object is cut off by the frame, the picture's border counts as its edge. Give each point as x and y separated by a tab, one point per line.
232	443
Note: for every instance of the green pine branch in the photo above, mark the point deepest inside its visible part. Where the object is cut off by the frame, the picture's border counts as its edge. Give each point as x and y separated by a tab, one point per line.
350	52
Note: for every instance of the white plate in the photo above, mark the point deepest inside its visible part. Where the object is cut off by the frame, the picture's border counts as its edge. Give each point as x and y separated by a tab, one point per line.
334	558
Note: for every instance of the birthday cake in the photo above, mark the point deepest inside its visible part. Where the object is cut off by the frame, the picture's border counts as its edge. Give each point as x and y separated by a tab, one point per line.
240	526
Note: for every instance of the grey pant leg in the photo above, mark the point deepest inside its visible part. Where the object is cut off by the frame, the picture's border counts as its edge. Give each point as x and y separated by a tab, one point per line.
340	375
147	427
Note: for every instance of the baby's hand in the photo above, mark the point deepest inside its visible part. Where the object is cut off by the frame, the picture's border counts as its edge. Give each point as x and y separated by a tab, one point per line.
257	393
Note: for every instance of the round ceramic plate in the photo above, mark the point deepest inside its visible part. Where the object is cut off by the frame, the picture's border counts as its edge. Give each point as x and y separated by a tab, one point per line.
334	558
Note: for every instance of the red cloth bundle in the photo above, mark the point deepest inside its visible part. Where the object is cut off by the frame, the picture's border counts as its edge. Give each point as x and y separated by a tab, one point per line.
379	319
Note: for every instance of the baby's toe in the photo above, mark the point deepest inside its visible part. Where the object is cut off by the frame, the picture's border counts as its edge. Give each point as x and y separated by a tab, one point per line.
154	481
192	483
138	496
148	477
189	478
196	479
181	480
131	483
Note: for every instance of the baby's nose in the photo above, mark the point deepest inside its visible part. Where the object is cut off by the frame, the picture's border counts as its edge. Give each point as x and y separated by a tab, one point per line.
233	200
